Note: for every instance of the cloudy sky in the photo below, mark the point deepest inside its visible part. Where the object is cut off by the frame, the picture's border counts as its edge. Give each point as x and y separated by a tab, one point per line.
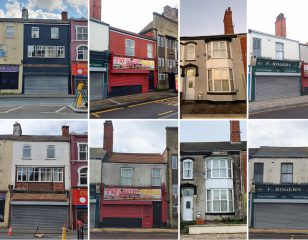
284	133
43	127
133	136
132	15
199	17
208	131
262	16
44	8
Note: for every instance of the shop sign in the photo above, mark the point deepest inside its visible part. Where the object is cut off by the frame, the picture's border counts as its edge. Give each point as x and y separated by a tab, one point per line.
9	68
2	196
132	63
79	68
80	196
147	194
268	65
282	191
305	69
97	64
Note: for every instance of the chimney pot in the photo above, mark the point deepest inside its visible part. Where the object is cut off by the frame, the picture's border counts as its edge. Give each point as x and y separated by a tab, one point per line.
24	13
64	16
96	9
65	131
280	26
228	22
235	133
17	131
108	136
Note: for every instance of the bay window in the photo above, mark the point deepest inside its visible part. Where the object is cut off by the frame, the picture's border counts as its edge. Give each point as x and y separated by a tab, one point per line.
219	201
219	49
39	174
219	168
220	80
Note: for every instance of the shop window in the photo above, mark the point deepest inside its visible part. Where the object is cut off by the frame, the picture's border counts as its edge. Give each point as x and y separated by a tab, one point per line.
279	51
82	33
156	176
10	31
129	47
190	52
219	201
258	172
218	168
2	206
257	47
83	176
9	80
51	151
54	33
287	173
26	153
126	176
150	50
220	80
35	32
188	169
83	152
174	159
22	174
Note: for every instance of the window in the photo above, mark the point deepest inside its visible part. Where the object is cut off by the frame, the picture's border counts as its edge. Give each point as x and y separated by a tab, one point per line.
174	159
219	200
160	39
61	52
21	174
218	50
83	152
156	177
54	33
150	50
3	51
126	176
83	176
51	151
220	80
45	175
170	43
258	172
175	190
257	47
129	47
286	172
33	174
82	33
162	62
58	174
10	32
39	174
26	153
46	51
51	52
279	51
190	52
82	53
187	169
218	168
159	61
35	33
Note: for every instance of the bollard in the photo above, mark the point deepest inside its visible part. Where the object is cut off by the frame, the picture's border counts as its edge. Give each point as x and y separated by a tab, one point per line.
63	233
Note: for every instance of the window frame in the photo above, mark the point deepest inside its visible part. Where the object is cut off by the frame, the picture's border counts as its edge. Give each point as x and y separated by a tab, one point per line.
132	176
227	50
23	153
51	33
150	51
279	51
79	144
132	48
3	48
59	174
191	55
84	34
211	80
254	48
190	169
35	30
174	166
211	200
254	172
80	175
23	170
54	152
154	178
7	35
210	161
287	173
83	52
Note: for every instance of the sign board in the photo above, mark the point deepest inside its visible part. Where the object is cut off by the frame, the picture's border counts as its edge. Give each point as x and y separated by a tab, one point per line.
80	197
79	68
269	65
282	191
123	63
9	68
146	194
2	196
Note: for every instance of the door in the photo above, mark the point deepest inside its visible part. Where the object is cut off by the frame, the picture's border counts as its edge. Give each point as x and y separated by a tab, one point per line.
187	208
46	84
171	80
151	80
157	214
190	84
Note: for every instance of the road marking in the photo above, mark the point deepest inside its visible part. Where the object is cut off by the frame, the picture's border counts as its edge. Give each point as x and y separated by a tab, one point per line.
12	109
140	104
59	110
114	101
109	110
175	113
96	115
164	113
277	109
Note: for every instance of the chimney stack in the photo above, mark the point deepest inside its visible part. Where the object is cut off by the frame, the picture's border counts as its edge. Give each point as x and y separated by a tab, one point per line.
96	9
17	131
280	26
24	13
235	133
65	131
108	136
228	23
64	16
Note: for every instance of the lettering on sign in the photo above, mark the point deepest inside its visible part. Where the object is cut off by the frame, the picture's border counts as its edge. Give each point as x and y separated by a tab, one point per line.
115	193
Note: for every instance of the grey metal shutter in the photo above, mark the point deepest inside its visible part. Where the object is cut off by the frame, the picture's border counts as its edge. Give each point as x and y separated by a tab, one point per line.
97	86
270	87
46	84
281	215
92	215
28	217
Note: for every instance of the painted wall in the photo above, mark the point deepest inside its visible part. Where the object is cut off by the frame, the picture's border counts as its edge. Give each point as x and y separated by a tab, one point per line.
96	170
74	42
303	52
100	32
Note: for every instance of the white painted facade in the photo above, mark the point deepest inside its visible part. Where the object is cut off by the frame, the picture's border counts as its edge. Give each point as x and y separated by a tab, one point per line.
100	32
39	158
303	52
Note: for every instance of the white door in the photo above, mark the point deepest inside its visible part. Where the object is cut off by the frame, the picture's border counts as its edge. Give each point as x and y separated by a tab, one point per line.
190	84
187	208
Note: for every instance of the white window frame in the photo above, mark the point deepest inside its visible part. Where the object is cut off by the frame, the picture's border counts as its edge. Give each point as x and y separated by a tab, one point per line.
279	52
79	150
28	146
211	80
211	201
174	166
210	167
84	52
226	50
10	34
130	46
54	151
22	170
54	35
162	62
82	175
34	31
83	33
185	176
154	178
60	51
59	174
132	176
150	50
191	54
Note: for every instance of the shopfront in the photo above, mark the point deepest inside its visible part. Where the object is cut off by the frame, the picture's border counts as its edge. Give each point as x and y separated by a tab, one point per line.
305	78
273	79
280	206
79	75
80	206
9	77
2	207
133	207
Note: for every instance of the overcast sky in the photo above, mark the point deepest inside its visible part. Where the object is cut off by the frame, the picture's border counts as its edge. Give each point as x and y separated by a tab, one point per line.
208	131
284	133
45	9
132	15
43	127
133	136
200	17
262	16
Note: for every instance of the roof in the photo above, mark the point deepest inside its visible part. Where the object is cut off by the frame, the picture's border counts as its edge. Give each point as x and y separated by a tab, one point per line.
252	151
35	138
147	28
271	35
116	157
46	21
205	147
97	153
281	152
130	33
211	37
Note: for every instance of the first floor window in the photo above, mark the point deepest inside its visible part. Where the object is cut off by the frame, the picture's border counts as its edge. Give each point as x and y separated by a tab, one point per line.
45	175
190	49
51	151
219	200
10	31
156	177
129	47
34	174
82	33
286	172
83	151
26	151
174	159
83	176
126	176
150	50
54	33
187	169
218	168
35	32
39	174
218	50
58	174
258	172
61	52
22	174
82	53
220	80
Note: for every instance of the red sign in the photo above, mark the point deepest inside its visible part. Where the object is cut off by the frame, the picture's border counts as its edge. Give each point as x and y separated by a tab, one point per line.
148	194
80	196
80	68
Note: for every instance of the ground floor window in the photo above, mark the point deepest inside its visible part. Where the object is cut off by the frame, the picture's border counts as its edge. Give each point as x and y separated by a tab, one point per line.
9	80
2	206
219	201
220	80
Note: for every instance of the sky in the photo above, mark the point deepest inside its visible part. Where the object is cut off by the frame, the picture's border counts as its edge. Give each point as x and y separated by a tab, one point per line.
132	15
208	131
202	18
132	135
44	9
43	127
279	133
262	16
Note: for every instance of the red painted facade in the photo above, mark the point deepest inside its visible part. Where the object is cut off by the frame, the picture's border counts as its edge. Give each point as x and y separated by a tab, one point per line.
304	72
133	76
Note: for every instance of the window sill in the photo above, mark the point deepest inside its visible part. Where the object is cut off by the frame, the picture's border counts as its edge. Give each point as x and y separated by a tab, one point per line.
187	179
221	93
220	213
26	158
50	159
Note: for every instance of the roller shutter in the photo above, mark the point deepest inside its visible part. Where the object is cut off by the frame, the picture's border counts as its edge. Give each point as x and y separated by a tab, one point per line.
281	215
46	84
92	215
271	87
98	90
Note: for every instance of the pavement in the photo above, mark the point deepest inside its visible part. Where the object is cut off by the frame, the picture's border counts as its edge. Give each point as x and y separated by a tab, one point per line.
224	236
277	236
70	234
277	233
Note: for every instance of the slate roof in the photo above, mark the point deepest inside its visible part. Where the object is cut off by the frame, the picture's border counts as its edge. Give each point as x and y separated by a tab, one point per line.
35	138
97	153
205	147
47	21
281	152
136	158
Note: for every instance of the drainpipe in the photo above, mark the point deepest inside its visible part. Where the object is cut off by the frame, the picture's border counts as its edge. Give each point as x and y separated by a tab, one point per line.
157	56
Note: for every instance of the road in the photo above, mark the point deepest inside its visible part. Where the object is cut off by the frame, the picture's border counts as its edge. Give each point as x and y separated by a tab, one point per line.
165	108
120	236
276	236
38	108
294	112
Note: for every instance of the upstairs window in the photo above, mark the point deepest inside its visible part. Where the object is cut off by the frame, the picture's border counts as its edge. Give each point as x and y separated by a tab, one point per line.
156	177
10	32
188	169
3	50
51	151
83	152
129	47
82	33
190	52
286	173
126	176
83	176
35	32
174	159
82	53
258	172
60	52
218	50
279	51
54	33
26	153
257	47
22	175
150	50
218	168
58	174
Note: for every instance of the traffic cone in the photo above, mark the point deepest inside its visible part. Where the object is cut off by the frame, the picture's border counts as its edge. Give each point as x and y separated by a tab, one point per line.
10	233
